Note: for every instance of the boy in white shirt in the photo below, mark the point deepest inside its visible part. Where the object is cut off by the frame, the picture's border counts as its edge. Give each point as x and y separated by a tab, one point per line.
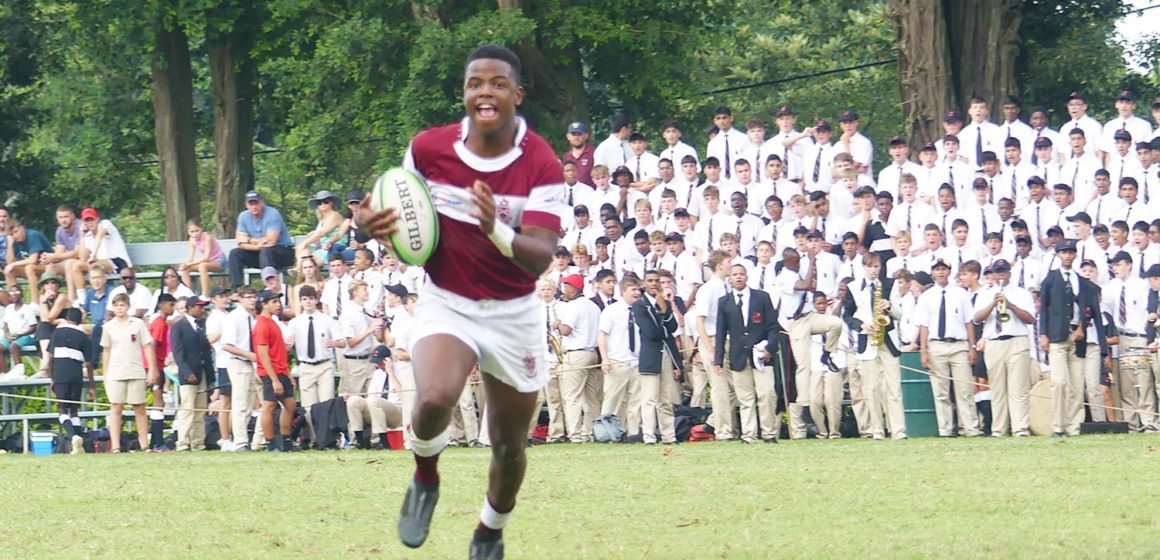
1120	161
817	156
1149	179
958	172
1012	180
945	215
712	179
1126	120
858	146
1046	167
1012	127
911	215
902	259
1079	170
729	143
675	150
1107	204
755	151
891	175
952	123
981	135
982	216
1039	125
930	174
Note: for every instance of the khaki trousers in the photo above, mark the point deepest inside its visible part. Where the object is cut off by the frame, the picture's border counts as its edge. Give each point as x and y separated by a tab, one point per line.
552	395
757	397
243	383
354	378
1092	364
826	401
190	419
698	380
797	408
1066	387
316	384
1010	393
882	385
468	417
722	395
1135	385
622	396
948	361
578	383
656	392
800	331
858	403
406	391
383	414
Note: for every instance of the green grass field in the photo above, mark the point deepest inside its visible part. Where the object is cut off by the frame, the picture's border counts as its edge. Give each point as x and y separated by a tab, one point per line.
1088	497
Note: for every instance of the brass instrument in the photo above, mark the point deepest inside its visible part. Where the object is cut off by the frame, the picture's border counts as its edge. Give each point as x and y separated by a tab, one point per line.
881	321
1001	307
553	341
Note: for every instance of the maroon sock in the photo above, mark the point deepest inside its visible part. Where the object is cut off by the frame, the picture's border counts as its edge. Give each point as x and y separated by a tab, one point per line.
427	469
485	531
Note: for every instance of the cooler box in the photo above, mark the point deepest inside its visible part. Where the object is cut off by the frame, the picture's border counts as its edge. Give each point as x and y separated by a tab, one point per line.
40	443
917	398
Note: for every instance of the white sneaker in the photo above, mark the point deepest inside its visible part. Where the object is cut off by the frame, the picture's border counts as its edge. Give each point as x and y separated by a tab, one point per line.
16	373
78	445
225	445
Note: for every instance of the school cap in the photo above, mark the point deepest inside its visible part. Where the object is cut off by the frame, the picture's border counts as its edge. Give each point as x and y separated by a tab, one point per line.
1081	217
1001	265
1126	95
848	115
1122	135
1022	240
680	213
864	190
580	210
574	280
380	353
897	140
1043	142
1121	256
823	125
800	230
940	262
1061	187
562	250
817	195
577	127
785	111
397	289
267	295
622	170
1035	180
813	234
1153	271
979	183
1076	95
953	116
1065	245
929	147
252	196
674	236
922	278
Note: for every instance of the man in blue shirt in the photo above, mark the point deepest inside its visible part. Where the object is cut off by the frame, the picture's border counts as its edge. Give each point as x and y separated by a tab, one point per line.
96	302
262	240
25	246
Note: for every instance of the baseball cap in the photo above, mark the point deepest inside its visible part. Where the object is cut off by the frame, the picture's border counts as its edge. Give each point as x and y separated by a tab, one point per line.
1061	187
923	278
953	116
823	125
562	250
817	195
864	190
355	196
577	127
574	280
622	170
813	234
1126	95
380	353
268	272
1022	240
1082	217
1067	245
1153	271
1076	95
220	290
198	301
1043	142
90	214
897	140
580	210
397	289
980	183
929	147
680	213
1035	180
1087	262
1120	256
848	115
348	256
940	263
252	196
267	295
784	110
1122	135
1001	265
674	236
800	230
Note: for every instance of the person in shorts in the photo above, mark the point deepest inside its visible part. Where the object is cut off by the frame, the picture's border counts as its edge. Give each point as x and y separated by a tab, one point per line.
70	362
128	364
274	371
491	175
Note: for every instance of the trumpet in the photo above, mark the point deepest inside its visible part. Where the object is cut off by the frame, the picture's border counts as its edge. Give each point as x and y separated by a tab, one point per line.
1001	307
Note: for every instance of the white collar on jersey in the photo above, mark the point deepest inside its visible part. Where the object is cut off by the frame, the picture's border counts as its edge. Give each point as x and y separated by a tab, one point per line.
498	163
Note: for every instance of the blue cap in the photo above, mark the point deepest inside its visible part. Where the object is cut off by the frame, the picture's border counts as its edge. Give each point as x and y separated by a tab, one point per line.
577	127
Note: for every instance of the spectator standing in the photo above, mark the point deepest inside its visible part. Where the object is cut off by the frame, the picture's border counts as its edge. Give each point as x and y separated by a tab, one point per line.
315	336
360	331
215	326
205	256
193	356
580	152
159	331
746	319
237	340
580	386
70	362
262	240
129	363
274	371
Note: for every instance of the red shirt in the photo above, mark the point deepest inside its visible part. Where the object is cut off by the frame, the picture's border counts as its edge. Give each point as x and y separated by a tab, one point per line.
159	330
584	163
267	333
528	183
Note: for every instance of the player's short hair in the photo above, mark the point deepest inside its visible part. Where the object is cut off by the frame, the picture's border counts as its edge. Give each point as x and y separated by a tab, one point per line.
728	236
120	298
355	284
657	236
642	203
599	171
848	174
629	281
98	269
908	179
871	259
711	191
902	235
497	52
716	257
668	193
971	266
307	290
844	156
754	123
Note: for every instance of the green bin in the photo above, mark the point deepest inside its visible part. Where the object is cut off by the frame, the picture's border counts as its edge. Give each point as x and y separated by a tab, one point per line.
917	398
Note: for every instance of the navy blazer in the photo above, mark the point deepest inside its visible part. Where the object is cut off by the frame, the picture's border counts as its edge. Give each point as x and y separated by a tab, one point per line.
744	332
192	352
656	332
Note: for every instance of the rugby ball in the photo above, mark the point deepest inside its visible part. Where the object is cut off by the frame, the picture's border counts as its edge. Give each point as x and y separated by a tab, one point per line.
417	232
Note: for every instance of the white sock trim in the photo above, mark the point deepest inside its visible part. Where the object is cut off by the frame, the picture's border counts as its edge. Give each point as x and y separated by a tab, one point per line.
491	518
63	418
430	447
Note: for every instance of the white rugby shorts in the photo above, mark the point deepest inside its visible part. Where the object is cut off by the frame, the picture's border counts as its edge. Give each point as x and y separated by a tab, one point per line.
507	336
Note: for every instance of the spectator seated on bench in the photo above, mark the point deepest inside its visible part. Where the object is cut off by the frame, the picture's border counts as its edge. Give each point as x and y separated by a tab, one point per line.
17	332
262	240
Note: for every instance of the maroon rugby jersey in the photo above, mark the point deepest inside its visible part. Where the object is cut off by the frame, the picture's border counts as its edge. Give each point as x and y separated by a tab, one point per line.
528	183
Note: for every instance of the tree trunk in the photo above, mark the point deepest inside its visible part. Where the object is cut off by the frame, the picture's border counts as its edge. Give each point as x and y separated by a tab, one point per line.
553	76
923	67
232	76
173	123
983	44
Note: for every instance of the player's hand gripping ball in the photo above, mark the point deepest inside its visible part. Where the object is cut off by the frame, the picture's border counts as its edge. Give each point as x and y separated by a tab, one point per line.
417	227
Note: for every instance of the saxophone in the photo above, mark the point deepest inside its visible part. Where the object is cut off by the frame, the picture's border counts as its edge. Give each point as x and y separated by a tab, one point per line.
553	341
881	321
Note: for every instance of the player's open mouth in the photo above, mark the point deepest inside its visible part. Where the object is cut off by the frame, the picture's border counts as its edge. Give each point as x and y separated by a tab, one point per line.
486	111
